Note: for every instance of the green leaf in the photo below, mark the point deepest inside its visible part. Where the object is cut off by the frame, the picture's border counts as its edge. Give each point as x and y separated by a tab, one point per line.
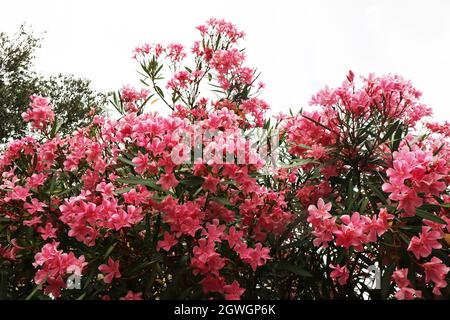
304	146
36	289
299	162
386	280
429	216
286	266
197	192
438	150
133	180
363	206
397	138
221	200
295	244
108	252
411	228
377	192
82	296
350	193
52	185
404	237
123	190
316	122
67	191
390	131
125	160
55	128
159	91
192	181
4	282
158	70
141	266
429	207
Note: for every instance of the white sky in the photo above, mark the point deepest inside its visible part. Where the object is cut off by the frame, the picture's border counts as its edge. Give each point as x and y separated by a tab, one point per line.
299	46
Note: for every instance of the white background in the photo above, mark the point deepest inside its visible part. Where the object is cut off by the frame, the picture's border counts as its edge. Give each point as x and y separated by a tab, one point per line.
299	46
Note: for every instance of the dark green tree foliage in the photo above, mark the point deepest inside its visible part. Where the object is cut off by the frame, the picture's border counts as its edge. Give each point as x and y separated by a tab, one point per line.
73	98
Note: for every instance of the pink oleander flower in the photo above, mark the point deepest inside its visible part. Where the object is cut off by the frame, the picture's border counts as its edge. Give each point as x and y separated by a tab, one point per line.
404	292
214	232
397	191
47	232
234	237
400	172
323	232
130	94
423	245
212	283
141	162
175	52
168	181
436	271
351	233
34	206
167	243
206	259
225	60
416	175
233	291
54	264
255	257
409	202
19	193
111	270
401	278
322	211
36	180
339	274
210	184
375	227
40	113
132	296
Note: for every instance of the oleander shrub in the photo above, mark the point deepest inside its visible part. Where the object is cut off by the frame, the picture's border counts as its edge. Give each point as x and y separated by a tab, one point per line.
214	199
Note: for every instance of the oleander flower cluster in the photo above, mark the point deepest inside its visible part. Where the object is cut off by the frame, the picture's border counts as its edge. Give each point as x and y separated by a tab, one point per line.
187	204
375	186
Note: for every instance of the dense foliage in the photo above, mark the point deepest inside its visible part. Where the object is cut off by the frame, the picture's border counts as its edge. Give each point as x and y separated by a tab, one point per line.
192	205
73	97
